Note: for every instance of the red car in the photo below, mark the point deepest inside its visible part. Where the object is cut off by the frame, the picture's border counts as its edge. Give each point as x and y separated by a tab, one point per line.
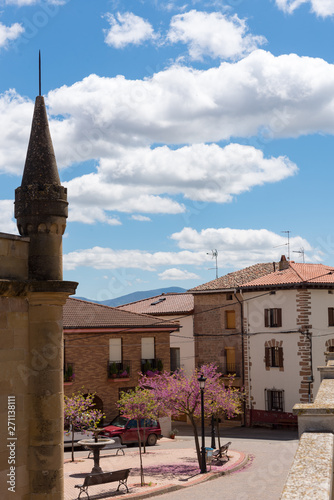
126	430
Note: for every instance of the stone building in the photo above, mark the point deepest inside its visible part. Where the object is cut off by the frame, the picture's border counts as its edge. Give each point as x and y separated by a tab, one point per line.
218	320
106	348
32	295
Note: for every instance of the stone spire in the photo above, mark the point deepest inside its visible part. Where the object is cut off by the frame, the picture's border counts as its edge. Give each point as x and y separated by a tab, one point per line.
41	201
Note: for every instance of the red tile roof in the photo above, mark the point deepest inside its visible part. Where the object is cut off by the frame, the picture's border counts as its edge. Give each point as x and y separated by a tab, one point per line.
237	278
312	274
168	303
80	314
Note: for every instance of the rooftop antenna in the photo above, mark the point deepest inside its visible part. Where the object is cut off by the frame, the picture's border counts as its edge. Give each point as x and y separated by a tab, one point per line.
40	73
301	252
288	233
286	244
214	254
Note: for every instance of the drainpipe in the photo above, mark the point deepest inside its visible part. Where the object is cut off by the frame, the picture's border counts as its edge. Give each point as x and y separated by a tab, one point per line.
242	350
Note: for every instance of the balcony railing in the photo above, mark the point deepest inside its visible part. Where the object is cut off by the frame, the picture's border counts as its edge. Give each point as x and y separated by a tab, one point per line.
119	369
69	372
151	366
230	369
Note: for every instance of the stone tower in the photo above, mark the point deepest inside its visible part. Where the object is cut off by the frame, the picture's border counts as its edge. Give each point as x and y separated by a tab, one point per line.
32	295
41	202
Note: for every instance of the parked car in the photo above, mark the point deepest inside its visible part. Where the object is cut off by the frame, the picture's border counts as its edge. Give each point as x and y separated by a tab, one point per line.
126	429
78	435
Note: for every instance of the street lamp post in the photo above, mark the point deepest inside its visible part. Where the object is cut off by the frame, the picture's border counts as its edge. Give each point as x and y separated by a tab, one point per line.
201	381
213	440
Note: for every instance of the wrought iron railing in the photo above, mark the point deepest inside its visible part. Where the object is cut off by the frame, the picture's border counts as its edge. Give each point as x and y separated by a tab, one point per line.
119	369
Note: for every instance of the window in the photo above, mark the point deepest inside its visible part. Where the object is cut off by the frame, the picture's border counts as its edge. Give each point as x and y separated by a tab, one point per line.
274	400
229	296
174	359
331	316
147	348
274	357
273	317
115	350
230	319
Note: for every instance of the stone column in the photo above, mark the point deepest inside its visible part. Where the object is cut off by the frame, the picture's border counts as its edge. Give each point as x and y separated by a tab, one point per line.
45	389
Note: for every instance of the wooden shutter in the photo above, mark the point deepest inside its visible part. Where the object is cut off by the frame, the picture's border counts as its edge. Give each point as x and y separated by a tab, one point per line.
267	356
279	317
230	319
331	316
266	317
280	357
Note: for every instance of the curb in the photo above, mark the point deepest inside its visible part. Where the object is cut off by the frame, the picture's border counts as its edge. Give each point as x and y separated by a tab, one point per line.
209	476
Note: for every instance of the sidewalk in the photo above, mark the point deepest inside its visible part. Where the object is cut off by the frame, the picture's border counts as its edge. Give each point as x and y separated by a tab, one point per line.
164	470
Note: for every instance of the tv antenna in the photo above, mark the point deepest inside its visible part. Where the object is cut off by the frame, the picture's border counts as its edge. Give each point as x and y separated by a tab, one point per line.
286	244
214	254
301	252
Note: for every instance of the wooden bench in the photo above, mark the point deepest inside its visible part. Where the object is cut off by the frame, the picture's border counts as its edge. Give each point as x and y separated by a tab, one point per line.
105	477
220	455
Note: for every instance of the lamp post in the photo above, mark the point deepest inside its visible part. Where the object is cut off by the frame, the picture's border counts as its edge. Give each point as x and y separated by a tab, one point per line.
213	440
201	381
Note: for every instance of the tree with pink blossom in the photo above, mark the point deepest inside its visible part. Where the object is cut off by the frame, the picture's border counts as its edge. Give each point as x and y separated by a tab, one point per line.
138	404
79	413
176	394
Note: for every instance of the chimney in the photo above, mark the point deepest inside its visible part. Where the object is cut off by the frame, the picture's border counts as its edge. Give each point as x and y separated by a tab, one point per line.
283	263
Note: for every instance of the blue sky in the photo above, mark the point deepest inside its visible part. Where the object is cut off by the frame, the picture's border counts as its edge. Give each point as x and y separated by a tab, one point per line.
178	128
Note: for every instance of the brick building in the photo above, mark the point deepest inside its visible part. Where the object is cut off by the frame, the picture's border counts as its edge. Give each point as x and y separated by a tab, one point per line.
173	307
105	348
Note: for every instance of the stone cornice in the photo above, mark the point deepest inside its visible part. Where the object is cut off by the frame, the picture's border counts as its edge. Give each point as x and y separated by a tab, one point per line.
16	288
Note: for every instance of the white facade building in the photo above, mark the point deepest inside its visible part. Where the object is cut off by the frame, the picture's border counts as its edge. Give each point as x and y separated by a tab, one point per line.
288	326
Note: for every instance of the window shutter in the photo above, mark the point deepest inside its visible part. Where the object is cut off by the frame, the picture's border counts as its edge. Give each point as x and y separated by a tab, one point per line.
330	316
280	357
266	317
267	356
115	350
279	317
147	348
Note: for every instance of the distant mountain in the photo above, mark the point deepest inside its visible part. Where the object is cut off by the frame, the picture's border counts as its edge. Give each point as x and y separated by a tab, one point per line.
133	297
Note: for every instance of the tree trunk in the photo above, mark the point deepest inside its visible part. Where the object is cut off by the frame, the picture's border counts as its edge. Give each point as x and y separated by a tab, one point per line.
72	460
218	433
142	480
198	450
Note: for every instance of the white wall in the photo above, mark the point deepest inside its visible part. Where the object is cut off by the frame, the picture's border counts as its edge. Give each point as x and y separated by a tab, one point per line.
261	379
321	332
184	339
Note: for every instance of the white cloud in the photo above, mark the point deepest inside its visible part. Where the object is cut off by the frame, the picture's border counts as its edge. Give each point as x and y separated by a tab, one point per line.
127	29
96	118
213	34
177	274
7	221
14	131
146	179
238	248
106	258
141	218
322	8
9	33
261	94
90	215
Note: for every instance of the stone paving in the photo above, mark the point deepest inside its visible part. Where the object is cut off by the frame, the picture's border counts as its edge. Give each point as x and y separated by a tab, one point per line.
164	470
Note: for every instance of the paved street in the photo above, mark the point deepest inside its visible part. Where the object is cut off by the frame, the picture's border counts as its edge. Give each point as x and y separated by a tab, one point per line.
272	453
